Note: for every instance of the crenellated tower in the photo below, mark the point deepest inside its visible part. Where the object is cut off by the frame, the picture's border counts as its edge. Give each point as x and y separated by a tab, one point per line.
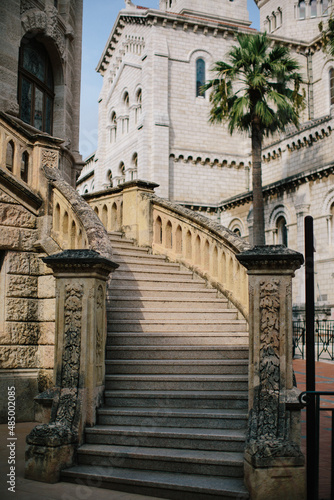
229	10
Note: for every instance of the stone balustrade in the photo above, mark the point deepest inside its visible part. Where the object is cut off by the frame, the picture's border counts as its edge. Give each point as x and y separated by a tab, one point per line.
184	236
67	229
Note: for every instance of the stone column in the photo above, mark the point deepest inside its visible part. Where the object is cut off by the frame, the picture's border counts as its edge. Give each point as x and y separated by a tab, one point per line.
79	361
273	462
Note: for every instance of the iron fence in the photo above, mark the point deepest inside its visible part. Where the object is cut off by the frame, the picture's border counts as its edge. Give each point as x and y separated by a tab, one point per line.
324	339
322	401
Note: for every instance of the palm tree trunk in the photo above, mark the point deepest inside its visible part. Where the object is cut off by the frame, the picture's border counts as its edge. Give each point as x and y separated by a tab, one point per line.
258	210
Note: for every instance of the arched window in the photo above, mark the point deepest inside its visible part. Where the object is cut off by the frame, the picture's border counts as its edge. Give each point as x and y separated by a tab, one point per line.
134	168
280	16
331	86
237	231
24	166
113	127
302	9
36	93
282	231
269	24
274	21
313	8
139	105
10	156
324	7
200	76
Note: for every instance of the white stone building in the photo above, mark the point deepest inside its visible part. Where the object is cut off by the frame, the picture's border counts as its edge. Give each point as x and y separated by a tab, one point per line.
153	122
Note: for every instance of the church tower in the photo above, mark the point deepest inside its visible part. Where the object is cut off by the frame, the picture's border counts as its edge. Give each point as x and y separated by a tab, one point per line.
228	10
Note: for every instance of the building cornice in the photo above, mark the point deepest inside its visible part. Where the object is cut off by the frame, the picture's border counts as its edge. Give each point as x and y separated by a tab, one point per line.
152	17
280	186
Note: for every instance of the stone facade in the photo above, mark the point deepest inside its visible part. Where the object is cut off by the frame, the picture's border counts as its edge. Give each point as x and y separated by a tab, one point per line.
40	48
153	126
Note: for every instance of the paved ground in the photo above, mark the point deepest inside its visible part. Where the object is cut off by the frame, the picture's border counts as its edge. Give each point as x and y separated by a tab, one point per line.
324	382
32	490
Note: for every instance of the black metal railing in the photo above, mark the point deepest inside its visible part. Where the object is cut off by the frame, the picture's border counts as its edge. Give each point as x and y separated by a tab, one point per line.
313	398
324	339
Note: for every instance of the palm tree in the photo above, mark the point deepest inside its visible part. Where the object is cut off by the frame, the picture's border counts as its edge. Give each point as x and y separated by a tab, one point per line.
267	100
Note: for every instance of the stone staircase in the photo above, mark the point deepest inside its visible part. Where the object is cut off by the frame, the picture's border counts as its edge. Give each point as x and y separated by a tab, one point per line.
174	420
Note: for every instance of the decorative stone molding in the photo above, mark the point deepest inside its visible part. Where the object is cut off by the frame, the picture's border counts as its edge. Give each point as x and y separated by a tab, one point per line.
274	463
45	22
79	373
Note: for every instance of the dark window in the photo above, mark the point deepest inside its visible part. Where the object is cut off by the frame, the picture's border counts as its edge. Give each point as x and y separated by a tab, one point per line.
35	86
200	76
24	166
282	231
10	156
331	85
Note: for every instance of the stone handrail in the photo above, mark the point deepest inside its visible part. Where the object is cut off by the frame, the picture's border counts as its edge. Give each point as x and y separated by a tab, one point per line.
75	225
192	239
204	246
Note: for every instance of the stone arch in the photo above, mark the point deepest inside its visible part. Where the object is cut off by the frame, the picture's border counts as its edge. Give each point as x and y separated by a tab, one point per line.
188	245
10	154
105	216
158	230
113	221
169	235
56	224
236	226
198	250
178	240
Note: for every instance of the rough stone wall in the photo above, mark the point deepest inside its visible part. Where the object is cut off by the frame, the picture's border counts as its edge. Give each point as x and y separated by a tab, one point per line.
27	315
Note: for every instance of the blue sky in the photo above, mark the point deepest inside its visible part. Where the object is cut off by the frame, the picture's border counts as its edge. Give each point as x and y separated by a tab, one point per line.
98	19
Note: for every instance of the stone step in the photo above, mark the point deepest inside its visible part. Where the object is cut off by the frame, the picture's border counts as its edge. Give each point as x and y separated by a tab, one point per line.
174	417
182	367
167	437
150	273
177	325
177	399
214	463
123	243
169	315
172	284
152	267
176	293
129	250
173	338
177	352
140	259
170	485
210	304
177	382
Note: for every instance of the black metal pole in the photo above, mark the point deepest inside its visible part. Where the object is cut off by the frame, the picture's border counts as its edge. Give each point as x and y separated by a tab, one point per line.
312	455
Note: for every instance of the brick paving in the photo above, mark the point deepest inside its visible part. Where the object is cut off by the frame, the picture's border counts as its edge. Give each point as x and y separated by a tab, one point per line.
324	382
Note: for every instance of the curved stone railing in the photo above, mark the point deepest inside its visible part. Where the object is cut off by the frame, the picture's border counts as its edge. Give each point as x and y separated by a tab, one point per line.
202	245
184	236
74	224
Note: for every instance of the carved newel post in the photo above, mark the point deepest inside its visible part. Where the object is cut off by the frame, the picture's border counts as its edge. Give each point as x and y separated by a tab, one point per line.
274	463
79	361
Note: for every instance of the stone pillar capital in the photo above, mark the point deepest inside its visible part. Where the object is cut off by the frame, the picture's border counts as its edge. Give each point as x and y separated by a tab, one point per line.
270	259
86	263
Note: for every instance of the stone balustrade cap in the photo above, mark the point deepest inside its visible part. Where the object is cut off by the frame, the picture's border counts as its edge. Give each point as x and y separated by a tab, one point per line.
79	259
270	256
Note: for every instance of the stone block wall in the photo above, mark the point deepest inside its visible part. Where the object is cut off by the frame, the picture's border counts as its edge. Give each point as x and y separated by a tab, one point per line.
27	310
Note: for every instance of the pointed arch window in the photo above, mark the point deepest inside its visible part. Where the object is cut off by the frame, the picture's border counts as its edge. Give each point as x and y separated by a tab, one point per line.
24	166
36	88
331	86
200	77
10	156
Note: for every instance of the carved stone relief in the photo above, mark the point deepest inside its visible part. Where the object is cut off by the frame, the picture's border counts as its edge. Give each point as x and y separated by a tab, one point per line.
99	335
268	434
49	158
